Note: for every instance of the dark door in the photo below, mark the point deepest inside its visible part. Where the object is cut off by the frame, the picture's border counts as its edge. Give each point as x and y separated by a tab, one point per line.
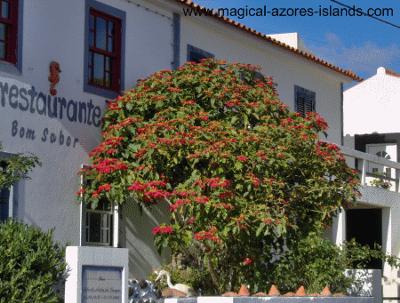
365	226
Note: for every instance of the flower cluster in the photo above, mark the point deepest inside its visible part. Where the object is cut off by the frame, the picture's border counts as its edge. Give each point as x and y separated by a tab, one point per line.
162	230
109	165
151	190
207	235
320	122
247	261
178	203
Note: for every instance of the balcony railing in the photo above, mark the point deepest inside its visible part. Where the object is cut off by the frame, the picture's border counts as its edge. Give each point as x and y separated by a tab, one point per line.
374	170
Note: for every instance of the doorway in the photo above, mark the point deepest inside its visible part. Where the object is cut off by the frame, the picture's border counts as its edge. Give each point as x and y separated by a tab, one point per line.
365	226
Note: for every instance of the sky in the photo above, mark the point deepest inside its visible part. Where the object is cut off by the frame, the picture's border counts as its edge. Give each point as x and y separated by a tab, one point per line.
361	44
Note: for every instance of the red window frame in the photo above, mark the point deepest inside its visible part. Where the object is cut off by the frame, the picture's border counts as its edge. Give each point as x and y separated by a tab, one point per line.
11	32
114	55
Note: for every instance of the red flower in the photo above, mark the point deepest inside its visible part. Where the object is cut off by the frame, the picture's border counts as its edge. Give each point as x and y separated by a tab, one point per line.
113	106
188	102
207	235
140	153
232	103
110	165
162	230
137	186
178	203
155	193
201	199
247	261
225	195
226	206
156	183
183	194
318	119
105	187
174	89
140	130
267	221
242	158
217	182
255	181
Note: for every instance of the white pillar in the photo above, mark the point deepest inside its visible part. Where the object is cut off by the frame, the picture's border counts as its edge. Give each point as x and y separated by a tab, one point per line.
339	228
115	226
11	203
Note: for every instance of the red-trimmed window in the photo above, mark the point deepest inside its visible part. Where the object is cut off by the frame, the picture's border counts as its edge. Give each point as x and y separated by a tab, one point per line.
104	65
8	30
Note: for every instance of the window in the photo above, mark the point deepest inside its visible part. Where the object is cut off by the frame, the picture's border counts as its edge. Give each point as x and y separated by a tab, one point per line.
104	49
196	54
9	30
4	204
99	224
304	100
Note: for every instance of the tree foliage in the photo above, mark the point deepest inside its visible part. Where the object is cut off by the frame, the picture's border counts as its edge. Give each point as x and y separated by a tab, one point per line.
244	176
31	265
16	167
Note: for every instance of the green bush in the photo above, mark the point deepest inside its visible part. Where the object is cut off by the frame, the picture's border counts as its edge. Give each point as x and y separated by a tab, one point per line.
315	262
31	264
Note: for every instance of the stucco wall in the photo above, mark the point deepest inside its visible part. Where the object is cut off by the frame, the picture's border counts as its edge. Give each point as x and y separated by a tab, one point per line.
54	30
373	105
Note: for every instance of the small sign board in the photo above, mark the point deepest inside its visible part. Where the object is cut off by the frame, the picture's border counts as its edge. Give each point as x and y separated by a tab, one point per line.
101	284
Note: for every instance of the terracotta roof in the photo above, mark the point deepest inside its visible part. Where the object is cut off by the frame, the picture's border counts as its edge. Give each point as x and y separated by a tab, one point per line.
392	73
273	41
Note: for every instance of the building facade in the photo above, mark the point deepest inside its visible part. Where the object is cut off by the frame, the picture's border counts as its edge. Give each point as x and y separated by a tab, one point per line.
60	61
370	125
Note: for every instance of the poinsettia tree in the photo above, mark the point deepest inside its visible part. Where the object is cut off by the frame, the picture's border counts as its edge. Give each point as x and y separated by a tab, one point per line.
243	176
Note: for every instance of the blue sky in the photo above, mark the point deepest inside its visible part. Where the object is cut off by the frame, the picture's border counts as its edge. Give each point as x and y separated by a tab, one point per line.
357	43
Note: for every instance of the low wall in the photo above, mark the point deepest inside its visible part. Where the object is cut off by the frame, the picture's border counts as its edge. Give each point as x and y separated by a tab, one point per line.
271	300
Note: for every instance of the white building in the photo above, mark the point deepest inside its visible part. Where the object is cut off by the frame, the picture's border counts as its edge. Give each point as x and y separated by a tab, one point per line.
102	47
373	105
371	110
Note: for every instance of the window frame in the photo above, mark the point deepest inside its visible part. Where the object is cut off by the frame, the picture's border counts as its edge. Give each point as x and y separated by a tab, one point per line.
307	95
13	62
109	13
112	212
192	49
109	229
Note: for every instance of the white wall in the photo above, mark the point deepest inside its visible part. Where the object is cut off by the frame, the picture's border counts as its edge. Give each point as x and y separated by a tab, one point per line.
292	39
373	105
54	30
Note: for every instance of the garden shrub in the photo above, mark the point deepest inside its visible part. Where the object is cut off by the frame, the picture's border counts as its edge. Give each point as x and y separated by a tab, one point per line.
315	262
31	264
243	176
